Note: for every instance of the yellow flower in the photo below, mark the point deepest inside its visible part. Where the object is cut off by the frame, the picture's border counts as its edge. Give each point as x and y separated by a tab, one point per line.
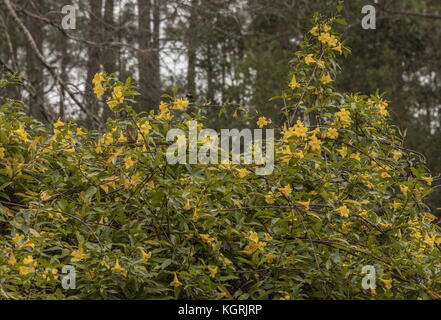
429	240
343	151
338	48
24	270
187	206
298	130
145	256
209	240
12	261
22	134
79	255
269	198
326	78
145	128
267	237
122	138
305	204
117	267
387	283
128	162
315	144
270	257
294	84
309	59
242	173
332	133
253	237
80	132
213	271
28	260
99	90
404	190
286	190
98	78
344	117
2	152
355	156
428	180
385	175
397	205
381	107
117	97
180	104
328	39
226	261
343	211
175	283
397	155
314	31
58	124
262	122
320	64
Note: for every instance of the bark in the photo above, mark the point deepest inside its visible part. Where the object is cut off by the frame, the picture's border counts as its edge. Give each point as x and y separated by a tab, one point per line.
94	57
148	57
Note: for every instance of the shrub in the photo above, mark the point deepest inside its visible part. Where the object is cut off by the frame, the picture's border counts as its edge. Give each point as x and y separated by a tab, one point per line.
344	194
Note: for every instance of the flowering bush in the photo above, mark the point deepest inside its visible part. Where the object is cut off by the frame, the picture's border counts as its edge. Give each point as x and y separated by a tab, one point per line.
344	194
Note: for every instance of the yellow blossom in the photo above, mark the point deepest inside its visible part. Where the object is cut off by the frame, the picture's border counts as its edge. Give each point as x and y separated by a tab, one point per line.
253	237
428	180
332	133
326	78
28	260
180	104
269	198
187	206
355	156
387	283
344	117
117	267
2	153
175	283
343	211
22	134
80	132
99	90
213	271
145	256
343	151
128	162
286	190
404	190
314	144
12	261
309	59
98	78
122	138
270	257
24	270
397	205
306	204
314	31
241	173
294	84
79	255
262	122
397	155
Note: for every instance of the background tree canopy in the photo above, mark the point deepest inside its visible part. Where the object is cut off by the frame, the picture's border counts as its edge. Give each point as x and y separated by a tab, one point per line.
218	53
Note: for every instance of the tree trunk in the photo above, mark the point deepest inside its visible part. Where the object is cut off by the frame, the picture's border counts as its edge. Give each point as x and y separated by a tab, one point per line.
93	53
34	70
148	57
